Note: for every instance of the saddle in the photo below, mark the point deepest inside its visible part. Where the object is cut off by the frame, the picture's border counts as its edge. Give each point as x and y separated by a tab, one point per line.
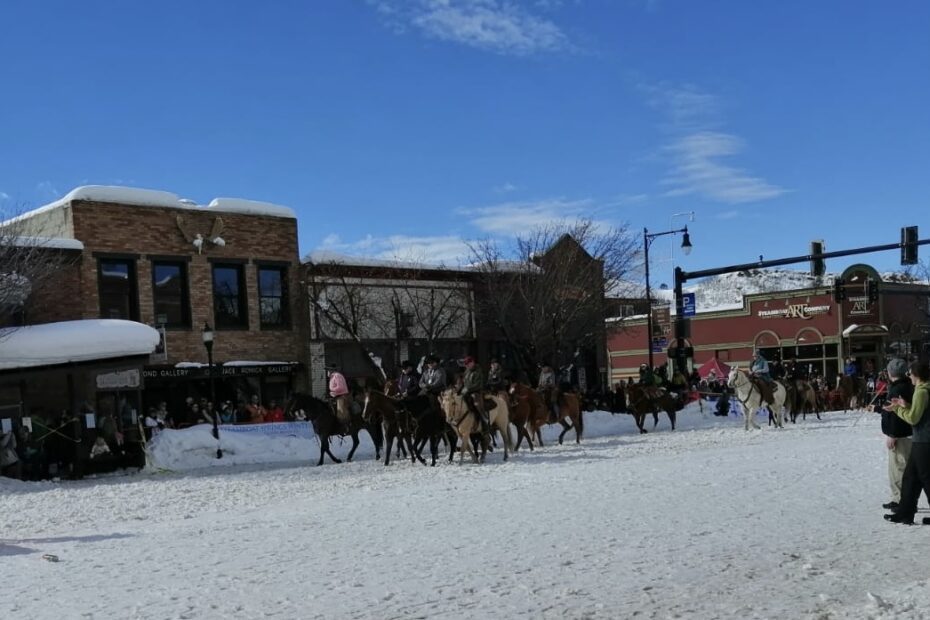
765	388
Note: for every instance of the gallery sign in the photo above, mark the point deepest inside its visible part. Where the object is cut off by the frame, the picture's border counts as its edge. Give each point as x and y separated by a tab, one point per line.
794	311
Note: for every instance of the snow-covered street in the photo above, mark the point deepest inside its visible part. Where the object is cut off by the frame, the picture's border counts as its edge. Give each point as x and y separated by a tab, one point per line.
708	521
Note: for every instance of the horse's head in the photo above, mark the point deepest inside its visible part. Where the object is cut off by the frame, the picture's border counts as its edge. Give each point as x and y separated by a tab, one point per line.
735	373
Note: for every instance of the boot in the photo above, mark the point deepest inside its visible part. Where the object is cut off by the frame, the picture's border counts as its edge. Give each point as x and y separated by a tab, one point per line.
897	517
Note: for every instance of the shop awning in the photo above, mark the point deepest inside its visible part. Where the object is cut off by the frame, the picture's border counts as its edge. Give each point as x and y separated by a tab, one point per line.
864	330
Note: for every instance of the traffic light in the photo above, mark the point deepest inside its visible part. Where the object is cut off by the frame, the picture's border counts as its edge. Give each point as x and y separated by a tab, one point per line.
871	290
839	290
818	268
909	245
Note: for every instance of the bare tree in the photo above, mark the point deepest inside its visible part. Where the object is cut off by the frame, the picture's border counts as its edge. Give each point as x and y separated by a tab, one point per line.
29	265
546	298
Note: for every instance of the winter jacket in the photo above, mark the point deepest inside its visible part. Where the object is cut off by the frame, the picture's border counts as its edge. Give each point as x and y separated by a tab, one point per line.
851	369
546	380
892	425
473	381
433	380
337	385
408	384
275	414
760	366
916	413
496	379
99	449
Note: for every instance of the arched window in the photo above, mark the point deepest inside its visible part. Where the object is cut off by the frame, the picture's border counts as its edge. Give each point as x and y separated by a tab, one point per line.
767	343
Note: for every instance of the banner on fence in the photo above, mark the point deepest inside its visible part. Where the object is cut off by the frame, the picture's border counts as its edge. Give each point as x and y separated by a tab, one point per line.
289	429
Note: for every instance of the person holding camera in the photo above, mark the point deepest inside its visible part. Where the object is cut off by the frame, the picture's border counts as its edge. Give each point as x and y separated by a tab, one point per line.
897	432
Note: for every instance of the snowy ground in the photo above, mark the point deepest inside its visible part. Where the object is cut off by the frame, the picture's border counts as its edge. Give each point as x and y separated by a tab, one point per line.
707	522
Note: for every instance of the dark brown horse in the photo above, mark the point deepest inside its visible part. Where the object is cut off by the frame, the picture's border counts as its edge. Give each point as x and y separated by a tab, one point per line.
527	411
645	400
802	399
326	424
396	422
853	391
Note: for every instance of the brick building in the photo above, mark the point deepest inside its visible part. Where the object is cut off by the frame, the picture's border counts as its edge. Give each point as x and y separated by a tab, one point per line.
151	257
805	325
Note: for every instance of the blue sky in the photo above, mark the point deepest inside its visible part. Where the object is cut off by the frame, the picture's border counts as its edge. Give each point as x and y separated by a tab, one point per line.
399	128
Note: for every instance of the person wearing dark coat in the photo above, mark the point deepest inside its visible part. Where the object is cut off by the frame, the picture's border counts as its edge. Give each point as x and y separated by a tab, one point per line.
916	476
408	383
897	432
496	381
471	391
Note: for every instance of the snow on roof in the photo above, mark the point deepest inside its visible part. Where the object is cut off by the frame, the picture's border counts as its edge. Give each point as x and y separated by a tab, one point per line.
74	341
323	257
56	243
157	198
250	207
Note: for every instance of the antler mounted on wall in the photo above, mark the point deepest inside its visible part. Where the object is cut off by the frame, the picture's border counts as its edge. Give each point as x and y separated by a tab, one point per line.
198	239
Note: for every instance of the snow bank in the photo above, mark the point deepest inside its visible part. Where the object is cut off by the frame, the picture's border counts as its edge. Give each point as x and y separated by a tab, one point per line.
74	341
54	243
195	448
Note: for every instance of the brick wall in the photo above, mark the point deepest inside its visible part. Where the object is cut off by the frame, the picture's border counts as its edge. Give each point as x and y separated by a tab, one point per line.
141	233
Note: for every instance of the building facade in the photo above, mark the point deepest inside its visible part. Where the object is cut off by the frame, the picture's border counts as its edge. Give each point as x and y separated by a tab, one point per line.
151	257
807	325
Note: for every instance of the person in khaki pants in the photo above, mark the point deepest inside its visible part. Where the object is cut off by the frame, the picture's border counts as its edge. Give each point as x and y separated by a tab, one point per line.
897	431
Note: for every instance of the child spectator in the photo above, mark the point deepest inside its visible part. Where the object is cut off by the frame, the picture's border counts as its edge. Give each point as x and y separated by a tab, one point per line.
99	449
274	413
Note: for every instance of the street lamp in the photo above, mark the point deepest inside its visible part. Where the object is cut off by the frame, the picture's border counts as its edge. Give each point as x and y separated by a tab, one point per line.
648	238
207	335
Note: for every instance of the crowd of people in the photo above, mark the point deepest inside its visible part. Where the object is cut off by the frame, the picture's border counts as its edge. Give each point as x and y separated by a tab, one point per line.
203	411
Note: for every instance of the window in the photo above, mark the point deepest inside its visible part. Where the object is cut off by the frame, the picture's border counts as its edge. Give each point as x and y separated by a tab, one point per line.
117	282
169	292
229	303
272	296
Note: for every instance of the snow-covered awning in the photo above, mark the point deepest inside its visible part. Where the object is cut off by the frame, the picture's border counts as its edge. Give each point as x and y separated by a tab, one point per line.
865	330
74	341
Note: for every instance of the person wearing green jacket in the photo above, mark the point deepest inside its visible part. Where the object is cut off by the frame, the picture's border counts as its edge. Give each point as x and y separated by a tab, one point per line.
917	470
471	391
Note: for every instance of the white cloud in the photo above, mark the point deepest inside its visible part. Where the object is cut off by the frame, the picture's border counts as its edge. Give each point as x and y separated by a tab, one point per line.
491	25
4	196
684	106
697	170
505	188
512	218
47	190
447	249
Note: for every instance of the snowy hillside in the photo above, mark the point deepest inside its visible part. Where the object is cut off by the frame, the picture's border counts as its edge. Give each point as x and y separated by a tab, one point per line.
726	291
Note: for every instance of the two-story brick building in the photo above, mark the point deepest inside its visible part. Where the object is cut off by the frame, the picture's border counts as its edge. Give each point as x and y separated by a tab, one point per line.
152	257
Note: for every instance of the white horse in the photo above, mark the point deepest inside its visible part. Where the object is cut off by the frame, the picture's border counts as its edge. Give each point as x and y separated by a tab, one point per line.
752	400
463	421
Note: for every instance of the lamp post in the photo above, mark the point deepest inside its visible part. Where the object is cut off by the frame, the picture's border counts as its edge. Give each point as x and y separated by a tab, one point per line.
648	238
207	335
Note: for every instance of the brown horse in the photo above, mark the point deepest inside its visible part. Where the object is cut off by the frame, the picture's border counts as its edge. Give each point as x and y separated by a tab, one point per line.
642	402
326	424
853	391
527	411
466	423
802	399
570	416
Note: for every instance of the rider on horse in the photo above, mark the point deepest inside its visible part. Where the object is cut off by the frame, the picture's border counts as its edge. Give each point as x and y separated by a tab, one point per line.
549	389
408	383
496	382
760	370
339	391
471	391
647	379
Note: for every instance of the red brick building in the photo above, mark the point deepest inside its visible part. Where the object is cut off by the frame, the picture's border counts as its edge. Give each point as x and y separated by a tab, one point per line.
806	325
151	257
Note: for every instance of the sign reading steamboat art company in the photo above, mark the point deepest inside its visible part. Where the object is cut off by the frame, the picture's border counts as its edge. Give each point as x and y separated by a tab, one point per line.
794	311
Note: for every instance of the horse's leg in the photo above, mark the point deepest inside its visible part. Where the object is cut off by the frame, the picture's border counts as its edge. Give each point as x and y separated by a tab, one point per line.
388	442
754	411
671	418
579	425
329	452
323	441
655	419
565	427
538	433
453	439
354	446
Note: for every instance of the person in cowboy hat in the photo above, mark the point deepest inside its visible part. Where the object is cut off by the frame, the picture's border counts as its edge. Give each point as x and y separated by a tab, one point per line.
471	391
433	380
408	383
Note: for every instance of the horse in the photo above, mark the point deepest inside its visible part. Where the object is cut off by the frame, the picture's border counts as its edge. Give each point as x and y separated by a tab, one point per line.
747	391
527	410
641	403
326	424
801	399
569	407
465	423
852	390
395	422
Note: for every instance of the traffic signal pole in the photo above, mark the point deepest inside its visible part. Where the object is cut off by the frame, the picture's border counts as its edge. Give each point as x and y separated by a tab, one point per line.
682	324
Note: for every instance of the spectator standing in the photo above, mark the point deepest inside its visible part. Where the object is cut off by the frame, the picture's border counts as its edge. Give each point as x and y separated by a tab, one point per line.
255	411
917	470
274	413
10	465
897	432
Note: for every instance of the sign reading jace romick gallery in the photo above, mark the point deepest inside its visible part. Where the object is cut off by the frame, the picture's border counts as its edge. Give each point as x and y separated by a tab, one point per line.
198	372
